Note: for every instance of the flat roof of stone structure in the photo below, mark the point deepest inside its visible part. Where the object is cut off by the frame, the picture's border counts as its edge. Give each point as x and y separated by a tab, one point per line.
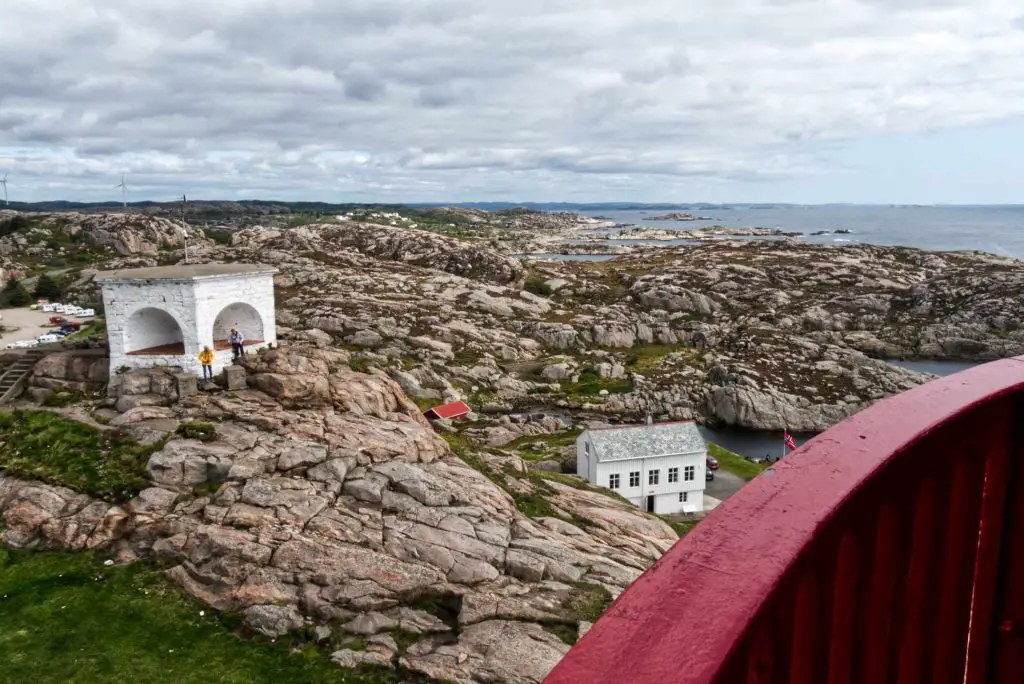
184	272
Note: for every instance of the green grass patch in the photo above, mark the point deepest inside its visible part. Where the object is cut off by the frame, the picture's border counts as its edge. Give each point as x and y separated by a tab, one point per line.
37	445
537	286
67	619
646	358
586	603
736	464
563	630
63	396
534	505
592	387
551	444
204	432
681	527
425	403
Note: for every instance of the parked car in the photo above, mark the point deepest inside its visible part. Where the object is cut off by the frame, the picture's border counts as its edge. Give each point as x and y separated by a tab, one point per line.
86	313
709	475
712	462
48	338
70	327
57	320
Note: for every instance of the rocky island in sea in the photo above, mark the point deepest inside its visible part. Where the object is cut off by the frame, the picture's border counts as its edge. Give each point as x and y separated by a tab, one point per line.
318	500
678	216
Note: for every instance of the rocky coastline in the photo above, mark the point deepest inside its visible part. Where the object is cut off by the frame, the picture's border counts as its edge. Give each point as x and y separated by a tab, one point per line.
756	334
319	500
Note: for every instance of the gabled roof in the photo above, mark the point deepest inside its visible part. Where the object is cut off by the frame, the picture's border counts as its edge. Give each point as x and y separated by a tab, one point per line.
452	410
645	441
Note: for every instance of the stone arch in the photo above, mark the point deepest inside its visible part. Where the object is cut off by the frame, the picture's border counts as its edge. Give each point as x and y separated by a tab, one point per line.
151	331
242	316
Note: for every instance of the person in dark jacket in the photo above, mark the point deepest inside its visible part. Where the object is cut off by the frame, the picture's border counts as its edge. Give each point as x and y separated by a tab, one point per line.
237	341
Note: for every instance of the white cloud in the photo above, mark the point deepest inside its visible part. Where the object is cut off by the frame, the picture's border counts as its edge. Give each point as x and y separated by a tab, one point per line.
456	98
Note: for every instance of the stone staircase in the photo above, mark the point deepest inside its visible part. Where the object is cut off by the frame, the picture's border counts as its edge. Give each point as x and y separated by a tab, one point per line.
15	376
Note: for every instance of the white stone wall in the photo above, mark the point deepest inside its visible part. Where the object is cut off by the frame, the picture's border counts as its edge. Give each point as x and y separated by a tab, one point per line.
195	305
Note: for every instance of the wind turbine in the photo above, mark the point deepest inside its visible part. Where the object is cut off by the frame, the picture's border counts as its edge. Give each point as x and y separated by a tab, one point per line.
124	192
3	182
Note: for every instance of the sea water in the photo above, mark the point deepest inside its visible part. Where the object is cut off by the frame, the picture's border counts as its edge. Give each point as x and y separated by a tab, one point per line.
995	229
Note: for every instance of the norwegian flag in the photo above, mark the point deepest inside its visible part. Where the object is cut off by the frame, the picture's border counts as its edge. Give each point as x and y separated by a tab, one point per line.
789	441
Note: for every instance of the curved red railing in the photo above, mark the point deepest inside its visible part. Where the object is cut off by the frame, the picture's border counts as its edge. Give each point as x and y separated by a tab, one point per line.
888	549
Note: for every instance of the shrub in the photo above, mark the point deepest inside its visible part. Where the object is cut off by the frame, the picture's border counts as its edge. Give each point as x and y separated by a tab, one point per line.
15	224
538	287
14	294
47	287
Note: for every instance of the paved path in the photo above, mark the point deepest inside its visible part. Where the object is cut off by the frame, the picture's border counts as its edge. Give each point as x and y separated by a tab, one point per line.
30	324
724	485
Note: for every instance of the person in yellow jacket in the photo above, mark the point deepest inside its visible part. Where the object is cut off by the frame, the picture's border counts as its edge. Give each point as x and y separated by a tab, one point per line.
206	358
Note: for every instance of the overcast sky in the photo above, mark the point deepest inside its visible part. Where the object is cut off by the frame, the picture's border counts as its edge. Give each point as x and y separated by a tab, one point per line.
580	100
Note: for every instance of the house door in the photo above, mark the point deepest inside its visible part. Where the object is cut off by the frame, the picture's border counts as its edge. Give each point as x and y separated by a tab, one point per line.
650	504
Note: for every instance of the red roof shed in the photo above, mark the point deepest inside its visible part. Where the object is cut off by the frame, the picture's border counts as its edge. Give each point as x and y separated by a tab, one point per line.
452	411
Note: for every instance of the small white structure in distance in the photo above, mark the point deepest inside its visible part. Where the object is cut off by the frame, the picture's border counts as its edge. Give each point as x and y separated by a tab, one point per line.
659	468
164	316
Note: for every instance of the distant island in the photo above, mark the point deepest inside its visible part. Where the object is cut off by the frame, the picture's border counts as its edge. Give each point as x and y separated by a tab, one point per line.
678	216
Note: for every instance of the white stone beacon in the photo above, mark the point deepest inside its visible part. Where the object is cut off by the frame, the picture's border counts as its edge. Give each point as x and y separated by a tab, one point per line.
165	315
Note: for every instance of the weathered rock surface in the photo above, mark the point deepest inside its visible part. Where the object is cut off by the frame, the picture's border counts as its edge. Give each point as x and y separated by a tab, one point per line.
347	508
124	233
760	335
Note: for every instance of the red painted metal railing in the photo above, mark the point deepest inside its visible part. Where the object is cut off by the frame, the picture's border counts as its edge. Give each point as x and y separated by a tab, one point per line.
888	549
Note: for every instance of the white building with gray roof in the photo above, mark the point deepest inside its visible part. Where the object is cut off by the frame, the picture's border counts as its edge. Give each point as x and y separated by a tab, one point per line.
659	468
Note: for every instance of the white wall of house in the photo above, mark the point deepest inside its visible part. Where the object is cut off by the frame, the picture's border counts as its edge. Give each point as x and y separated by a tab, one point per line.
637	489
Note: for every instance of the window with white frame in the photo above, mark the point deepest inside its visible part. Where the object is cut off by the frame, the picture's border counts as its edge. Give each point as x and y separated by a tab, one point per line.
673	475
653	476
683	497
613	481
634	479
690	473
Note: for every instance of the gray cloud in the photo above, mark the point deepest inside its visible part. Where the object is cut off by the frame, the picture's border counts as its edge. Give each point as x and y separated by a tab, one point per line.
389	99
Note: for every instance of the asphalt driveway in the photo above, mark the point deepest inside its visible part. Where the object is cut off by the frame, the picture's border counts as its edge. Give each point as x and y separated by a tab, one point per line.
724	485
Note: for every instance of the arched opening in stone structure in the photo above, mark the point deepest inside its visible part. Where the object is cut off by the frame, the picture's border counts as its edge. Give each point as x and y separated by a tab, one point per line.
241	316
153	332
